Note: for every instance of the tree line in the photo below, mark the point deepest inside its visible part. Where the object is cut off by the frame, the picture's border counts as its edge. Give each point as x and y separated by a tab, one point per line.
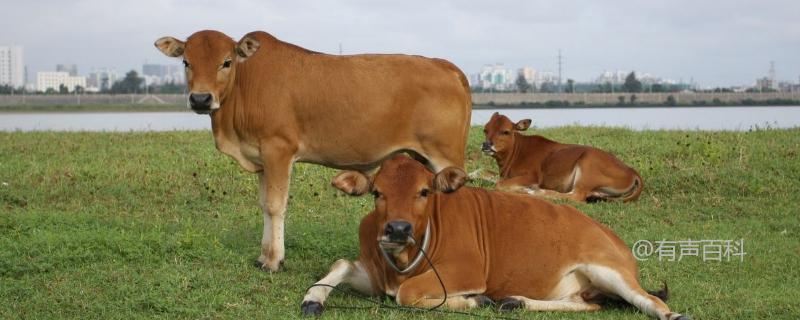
631	85
131	83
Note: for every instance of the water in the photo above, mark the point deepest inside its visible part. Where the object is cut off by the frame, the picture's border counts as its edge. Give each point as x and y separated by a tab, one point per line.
667	118
671	118
104	121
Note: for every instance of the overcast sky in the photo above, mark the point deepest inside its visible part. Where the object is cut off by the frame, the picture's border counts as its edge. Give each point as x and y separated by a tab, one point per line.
713	42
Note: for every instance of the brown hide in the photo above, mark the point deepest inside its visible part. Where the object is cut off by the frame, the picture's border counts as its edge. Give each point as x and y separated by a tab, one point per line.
516	250
276	103
535	162
500	244
346	112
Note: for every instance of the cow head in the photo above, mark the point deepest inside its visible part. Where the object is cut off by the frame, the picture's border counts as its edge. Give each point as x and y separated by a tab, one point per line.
210	59
402	189
499	132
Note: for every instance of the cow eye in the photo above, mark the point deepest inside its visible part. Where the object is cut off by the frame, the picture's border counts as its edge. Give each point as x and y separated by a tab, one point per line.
226	64
185	63
506	132
376	194
424	192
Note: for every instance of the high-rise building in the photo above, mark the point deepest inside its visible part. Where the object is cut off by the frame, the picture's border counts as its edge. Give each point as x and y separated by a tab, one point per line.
528	73
54	80
12	66
161	74
495	76
101	79
71	69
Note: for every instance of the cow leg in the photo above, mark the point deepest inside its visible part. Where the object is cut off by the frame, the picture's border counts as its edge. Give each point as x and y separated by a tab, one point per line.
275	191
625	285
519	184
342	271
425	291
574	304
439	157
574	195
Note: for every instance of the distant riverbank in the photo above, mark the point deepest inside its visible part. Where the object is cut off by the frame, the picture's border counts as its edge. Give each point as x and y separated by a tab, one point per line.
89	108
177	102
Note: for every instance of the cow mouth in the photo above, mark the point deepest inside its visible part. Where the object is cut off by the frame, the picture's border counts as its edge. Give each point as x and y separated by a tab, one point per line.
204	111
391	247
489	151
395	245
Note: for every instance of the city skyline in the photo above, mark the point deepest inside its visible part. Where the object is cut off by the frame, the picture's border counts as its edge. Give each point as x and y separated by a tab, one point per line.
715	45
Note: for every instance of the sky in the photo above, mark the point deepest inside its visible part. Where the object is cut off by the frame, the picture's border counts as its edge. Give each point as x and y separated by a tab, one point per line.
715	43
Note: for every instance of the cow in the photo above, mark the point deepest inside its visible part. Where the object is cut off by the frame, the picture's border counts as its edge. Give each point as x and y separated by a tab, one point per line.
273	103
539	166
486	246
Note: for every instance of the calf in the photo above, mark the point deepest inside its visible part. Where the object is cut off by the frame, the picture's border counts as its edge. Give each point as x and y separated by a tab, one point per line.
521	251
537	165
272	104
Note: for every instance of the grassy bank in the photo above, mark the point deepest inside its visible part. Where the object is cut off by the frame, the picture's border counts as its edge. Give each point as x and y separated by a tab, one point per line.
144	225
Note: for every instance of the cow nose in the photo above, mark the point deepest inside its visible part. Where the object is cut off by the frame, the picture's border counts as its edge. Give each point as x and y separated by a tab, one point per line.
487	146
200	101
398	230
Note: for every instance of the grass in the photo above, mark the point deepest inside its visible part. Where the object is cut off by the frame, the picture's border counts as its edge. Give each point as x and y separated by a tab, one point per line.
161	225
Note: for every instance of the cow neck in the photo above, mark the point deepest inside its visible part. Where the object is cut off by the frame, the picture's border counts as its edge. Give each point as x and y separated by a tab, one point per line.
222	118
426	238
505	166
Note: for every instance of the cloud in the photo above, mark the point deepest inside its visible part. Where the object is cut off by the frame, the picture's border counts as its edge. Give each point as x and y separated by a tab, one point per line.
722	43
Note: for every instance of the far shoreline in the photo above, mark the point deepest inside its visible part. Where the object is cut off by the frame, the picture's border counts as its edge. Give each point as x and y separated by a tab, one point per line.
21	109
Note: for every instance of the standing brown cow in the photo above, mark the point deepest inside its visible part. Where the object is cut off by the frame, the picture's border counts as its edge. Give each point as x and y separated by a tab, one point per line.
520	251
273	104
539	166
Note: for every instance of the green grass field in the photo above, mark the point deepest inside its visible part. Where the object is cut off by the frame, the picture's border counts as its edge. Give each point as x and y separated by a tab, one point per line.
161	225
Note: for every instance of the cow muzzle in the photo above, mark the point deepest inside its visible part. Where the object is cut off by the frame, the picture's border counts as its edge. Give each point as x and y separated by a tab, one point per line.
488	148
398	232
201	103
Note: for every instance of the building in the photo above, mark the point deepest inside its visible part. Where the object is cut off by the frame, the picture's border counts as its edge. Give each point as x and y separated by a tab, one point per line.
12	66
157	74
764	83
55	79
528	73
68	68
101	79
495	76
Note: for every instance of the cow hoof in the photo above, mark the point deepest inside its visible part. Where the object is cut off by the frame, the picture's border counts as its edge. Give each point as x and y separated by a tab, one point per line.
263	266
509	304
481	300
312	308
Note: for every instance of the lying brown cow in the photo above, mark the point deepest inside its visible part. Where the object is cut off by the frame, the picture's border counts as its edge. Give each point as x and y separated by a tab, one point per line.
521	251
539	166
273	104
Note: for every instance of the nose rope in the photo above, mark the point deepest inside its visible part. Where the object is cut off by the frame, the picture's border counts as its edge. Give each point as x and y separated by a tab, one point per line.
417	259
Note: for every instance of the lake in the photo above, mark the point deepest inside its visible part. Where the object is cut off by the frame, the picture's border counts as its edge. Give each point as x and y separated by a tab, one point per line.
667	118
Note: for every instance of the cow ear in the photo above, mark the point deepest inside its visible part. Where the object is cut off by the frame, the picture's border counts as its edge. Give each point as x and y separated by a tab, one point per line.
449	179
495	114
247	47
523	124
170	46
353	183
